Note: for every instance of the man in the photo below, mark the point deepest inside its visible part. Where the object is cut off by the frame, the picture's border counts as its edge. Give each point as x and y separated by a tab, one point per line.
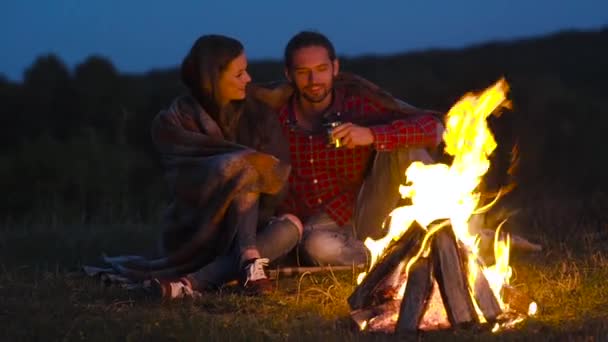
343	194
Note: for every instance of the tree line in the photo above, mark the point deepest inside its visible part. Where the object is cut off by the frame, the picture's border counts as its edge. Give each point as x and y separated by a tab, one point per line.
75	143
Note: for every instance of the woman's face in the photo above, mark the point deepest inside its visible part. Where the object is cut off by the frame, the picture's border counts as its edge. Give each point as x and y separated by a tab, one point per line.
233	80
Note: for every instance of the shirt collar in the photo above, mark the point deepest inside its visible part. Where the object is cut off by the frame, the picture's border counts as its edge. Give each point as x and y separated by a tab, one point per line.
330	113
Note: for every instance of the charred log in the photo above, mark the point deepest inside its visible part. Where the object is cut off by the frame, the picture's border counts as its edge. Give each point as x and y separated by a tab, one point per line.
365	317
486	301
417	292
399	251
389	286
450	273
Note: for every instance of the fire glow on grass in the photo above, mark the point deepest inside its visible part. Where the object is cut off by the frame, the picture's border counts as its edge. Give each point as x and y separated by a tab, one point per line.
440	191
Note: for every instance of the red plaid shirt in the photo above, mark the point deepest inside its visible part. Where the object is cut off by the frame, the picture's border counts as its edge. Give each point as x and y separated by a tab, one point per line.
327	179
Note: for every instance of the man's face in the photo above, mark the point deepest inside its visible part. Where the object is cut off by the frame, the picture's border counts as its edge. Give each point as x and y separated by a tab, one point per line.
312	73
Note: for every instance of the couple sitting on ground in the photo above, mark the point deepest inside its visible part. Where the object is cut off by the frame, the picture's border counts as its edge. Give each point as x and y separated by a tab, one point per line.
255	171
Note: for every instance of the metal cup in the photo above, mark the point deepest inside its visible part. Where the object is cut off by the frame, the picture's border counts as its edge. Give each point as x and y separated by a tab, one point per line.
329	126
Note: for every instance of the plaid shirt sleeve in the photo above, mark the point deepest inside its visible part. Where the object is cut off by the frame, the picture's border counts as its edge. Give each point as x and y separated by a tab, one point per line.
423	130
418	131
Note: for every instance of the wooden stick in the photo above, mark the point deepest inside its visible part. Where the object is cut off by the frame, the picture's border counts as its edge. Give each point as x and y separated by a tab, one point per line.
417	292
290	271
401	250
451	277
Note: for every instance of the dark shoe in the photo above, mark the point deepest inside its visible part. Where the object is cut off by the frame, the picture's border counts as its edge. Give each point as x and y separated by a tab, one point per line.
255	282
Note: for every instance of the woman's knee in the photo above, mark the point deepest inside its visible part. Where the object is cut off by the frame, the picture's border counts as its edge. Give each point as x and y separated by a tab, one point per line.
295	221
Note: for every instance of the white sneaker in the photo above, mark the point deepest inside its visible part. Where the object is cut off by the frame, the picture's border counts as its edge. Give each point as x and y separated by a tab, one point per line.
255	280
255	270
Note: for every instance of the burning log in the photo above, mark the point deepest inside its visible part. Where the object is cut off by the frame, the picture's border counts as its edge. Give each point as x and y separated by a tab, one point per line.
400	251
445	268
450	273
363	317
417	292
486	301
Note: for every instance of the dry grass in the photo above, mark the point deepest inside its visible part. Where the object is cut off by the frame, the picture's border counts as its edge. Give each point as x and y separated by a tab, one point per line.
41	298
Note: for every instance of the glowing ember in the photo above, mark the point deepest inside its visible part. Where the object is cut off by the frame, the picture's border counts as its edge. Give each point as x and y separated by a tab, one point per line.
440	191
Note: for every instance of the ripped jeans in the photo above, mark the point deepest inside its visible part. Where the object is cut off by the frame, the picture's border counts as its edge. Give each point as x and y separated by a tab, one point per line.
327	243
273	241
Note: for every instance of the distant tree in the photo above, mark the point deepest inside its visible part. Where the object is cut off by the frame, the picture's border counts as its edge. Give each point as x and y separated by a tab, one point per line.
49	99
148	94
99	94
12	120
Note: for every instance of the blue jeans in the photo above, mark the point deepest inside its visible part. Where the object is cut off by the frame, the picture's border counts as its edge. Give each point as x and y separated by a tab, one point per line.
327	243
275	240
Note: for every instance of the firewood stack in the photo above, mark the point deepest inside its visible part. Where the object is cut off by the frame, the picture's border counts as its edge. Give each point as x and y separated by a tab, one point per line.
445	266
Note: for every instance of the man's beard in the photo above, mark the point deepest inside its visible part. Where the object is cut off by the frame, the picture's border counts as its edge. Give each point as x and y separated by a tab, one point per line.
316	98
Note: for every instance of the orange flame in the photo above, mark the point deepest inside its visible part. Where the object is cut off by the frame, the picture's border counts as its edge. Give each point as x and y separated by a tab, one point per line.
440	191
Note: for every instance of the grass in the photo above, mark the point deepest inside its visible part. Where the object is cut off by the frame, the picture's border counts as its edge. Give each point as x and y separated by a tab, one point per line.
43	298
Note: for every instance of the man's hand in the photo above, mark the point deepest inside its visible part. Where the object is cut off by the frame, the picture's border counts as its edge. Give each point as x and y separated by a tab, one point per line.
352	135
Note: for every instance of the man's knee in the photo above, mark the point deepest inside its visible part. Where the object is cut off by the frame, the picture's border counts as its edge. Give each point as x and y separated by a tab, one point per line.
404	157
334	248
322	246
419	154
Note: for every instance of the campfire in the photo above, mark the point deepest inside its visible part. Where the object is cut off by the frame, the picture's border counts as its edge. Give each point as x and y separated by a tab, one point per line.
426	273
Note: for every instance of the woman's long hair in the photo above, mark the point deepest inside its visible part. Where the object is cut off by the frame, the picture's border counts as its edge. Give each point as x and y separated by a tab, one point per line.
200	72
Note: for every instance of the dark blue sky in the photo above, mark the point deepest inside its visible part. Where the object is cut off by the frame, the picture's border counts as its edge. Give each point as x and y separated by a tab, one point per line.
140	35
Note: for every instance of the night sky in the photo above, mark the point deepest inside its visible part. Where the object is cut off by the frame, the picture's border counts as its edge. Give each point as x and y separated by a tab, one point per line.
141	35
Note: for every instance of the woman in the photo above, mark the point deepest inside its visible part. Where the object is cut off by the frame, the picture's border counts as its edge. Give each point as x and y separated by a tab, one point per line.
225	162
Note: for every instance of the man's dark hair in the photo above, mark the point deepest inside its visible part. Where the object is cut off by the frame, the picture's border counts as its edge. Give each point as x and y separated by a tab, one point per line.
307	39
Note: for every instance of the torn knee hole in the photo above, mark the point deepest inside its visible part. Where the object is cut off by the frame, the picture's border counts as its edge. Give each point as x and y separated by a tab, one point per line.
295	220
